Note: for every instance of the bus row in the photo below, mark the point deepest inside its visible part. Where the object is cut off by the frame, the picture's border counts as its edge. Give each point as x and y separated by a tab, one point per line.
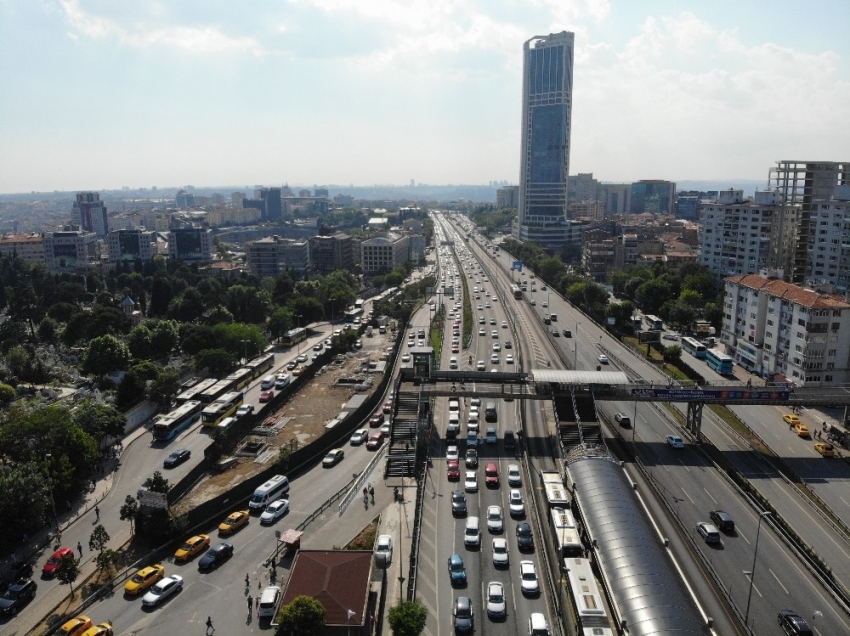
716	360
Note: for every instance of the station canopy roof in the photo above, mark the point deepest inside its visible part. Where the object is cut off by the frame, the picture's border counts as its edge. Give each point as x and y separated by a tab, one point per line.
563	376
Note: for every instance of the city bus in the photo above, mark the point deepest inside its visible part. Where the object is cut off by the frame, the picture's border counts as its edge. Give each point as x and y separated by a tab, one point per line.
214	392
694	347
294	336
718	361
240	378
516	291
589	602
223	407
260	365
192	393
167	426
653	323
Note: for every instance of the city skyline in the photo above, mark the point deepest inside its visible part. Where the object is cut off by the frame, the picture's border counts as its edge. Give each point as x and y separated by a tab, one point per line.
324	91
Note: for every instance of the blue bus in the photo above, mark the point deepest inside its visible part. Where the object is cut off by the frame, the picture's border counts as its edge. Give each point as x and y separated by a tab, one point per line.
165	427
653	323
694	347
718	362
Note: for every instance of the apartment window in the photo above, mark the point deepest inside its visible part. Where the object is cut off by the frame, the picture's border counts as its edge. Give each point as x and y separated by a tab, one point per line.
769	323
831	352
799	348
768	334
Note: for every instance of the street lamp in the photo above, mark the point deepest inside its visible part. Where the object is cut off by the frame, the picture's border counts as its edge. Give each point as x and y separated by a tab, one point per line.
752	573
50	483
332	300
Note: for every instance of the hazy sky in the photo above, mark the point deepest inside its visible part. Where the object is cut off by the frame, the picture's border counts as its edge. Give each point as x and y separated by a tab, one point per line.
106	93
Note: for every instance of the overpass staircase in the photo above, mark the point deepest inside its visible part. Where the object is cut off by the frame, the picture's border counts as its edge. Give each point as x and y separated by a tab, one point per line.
401	454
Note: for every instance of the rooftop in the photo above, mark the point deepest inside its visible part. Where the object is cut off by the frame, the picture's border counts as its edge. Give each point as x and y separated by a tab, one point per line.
793	293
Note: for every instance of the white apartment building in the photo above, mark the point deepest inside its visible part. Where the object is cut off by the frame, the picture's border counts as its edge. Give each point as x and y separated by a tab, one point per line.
71	250
383	253
828	258
773	327
29	247
131	245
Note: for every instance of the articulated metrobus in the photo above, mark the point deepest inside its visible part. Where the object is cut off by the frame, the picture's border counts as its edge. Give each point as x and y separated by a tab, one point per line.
215	391
516	291
166	427
223	407
192	393
718	361
240	378
694	347
260	365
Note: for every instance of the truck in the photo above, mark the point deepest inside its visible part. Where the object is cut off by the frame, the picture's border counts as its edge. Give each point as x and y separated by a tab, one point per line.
557	495
704	328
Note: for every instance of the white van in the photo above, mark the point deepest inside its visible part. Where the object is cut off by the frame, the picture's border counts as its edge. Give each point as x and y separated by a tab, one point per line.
453	363
277	486
225	423
267	383
269	601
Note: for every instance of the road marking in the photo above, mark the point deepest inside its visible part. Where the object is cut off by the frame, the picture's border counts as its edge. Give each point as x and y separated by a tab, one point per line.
777	580
709	496
743	536
688	496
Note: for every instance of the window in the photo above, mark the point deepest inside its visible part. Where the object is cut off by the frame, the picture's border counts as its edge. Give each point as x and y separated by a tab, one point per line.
832	352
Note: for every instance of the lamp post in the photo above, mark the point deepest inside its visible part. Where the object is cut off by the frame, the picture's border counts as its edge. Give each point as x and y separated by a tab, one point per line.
762	515
50	483
332	300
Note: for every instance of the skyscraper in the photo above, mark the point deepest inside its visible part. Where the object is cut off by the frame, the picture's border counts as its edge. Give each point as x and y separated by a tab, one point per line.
89	212
547	87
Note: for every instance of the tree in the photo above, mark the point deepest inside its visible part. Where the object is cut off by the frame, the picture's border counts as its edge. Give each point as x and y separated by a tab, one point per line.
156	483
7	394
139	343
218	361
131	391
24	501
280	322
48	330
304	616
99	420
129	511
68	571
161	295
651	295
672	354
408	618
247	304
105	354
98	540
165	336
164	387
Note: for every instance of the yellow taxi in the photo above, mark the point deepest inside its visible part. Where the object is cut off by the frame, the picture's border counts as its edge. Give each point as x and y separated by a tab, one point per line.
143	579
298	371
104	629
234	522
825	448
801	429
192	547
75	626
790	418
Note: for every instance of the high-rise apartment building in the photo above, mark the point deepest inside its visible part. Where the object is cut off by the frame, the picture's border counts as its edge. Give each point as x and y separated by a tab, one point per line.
829	241
547	87
89	213
652	195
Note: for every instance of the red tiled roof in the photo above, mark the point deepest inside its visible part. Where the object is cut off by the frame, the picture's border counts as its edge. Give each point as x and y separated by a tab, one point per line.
338	579
790	292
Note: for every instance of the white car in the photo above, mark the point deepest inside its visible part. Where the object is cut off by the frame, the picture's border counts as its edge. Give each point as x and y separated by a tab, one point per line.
359	436
544	303
500	553
405	357
514	475
452	454
481	332
384	550
603	359
480	366
496	606
494	334
494	359
475	402
470	481
495	521
528	576
274	511
162	590
504	324
244	410
480	308
482	320
497	346
517	506
674	441
509	359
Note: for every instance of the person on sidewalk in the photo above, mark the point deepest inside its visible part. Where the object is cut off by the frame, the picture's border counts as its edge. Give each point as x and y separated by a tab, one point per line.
80	549
96	513
210	627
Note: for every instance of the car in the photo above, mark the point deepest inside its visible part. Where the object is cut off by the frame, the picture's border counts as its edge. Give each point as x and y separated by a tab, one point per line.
103	629
358	437
405	357
471	438
793	624
514	475
480	307
191	547
274	511
509	439
291	366
496	605
568	333
235	521
318	346
524	537
482	320
143	579
528	578
388	406
471	458
801	429
790	418
482	332
384	550
75	626
722	520
515	504
623	420
385	429
674	441
452	470
491	475
556	333
509	344
504	324
245	409
282	380
16	596
302	357
216	555
494	359
470	481
501	558
328	342
457	571
377	419
497	346
376	438
603	359
333	458
481	366
463	614
167	587
490	436
55	561
458	502
669	336
825	448
533	303
176	458
509	359
452	431
452	453
495	520
708	531
266	396
494	334
544	303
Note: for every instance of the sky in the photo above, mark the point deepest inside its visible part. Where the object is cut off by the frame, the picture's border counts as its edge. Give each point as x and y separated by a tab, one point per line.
101	94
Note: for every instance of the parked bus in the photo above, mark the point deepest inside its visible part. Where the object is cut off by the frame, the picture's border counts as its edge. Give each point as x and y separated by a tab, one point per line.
294	336
718	361
214	392
653	323
167	426
223	407
192	393
240	378
588	601
260	364
694	347
516	291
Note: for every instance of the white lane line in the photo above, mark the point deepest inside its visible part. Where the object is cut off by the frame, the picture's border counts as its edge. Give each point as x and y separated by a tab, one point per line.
688	496
785	589
709	496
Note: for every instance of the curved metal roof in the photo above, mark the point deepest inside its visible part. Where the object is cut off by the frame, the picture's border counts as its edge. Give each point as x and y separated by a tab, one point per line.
562	376
650	596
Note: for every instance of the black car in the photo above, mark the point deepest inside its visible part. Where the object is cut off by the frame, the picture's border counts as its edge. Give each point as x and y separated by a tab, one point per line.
723	520
176	458
16	596
793	624
509	344
452	432
509	439
524	538
471	458
568	333
216	555
458	502
463	614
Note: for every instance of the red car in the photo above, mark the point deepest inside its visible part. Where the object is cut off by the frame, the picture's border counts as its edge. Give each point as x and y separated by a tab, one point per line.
452	470
377	419
55	562
376	438
388	406
265	396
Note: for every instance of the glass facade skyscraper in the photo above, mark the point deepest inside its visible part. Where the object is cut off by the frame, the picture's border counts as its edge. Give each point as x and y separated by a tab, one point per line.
547	86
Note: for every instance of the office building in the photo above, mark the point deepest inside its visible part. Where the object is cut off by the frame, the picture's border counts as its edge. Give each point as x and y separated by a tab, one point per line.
330	253
582	187
273	255
190	244
773	327
652	195
507	197
617	197
89	213
131	245
382	253
70	250
547	86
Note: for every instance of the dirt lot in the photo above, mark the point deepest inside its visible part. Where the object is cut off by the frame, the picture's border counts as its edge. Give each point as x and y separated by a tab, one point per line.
308	411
